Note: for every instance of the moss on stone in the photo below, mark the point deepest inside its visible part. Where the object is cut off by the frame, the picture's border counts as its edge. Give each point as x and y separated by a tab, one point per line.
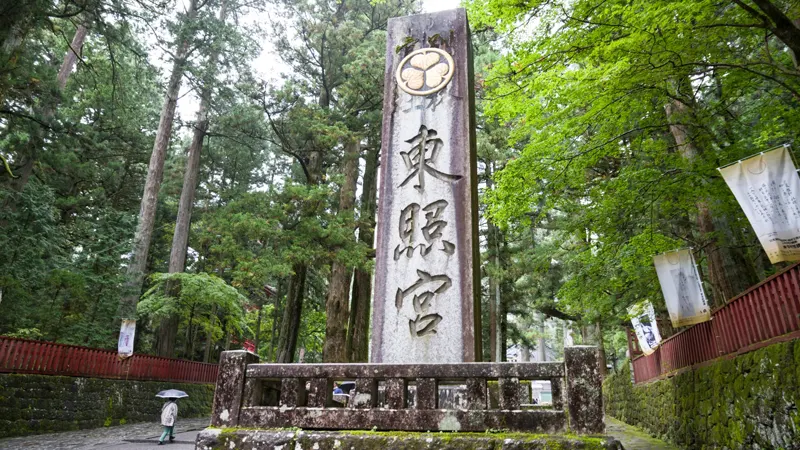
738	403
381	440
33	404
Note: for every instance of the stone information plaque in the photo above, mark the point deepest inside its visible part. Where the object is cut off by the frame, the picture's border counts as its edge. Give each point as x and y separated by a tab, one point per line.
427	280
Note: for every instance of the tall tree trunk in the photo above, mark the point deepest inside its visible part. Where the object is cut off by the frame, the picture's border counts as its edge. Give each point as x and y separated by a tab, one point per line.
601	351
155	171
776	21
358	325
257	331
71	57
541	351
48	110
168	328
493	336
17	25
504	294
193	341
290	325
494	294
188	332
336	305
227	338
209	335
502	335
493	252
725	284
276	315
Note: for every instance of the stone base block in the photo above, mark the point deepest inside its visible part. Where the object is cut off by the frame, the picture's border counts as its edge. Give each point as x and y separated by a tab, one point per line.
241	439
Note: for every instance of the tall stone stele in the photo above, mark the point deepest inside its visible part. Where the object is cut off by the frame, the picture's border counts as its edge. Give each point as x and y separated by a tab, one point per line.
427	275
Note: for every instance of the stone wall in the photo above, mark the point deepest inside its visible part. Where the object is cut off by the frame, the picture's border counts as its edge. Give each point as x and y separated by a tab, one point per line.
748	402
33	404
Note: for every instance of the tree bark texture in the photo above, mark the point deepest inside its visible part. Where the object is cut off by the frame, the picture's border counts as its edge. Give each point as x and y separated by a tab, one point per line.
337	303
493	319
360	311
71	57
725	284
290	325
541	351
209	336
502	319
155	171
601	351
504	292
168	328
48	110
776	21
494	296
276	314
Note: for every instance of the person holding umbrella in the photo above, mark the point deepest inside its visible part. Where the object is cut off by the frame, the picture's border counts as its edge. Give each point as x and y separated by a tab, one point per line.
169	412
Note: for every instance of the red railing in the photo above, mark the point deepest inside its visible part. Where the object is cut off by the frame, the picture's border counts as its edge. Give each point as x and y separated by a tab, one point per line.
47	358
768	310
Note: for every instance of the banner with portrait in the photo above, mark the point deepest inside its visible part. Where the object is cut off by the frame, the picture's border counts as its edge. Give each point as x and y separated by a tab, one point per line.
127	331
643	319
683	292
768	189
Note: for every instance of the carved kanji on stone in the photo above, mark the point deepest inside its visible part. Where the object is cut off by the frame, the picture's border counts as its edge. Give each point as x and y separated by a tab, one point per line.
431	231
424	290
427	258
421	157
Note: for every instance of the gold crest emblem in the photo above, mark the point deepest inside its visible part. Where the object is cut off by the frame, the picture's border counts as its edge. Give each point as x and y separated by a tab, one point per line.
425	71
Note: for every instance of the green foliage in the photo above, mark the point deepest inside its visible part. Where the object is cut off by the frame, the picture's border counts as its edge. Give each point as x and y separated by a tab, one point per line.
200	299
64	232
202	290
596	177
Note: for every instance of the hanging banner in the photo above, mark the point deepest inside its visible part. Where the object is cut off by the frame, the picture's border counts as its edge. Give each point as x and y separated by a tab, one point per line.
125	344
767	188
680	284
643	319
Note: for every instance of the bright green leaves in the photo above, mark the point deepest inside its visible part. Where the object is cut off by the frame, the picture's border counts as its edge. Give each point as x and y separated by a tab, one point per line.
582	90
194	296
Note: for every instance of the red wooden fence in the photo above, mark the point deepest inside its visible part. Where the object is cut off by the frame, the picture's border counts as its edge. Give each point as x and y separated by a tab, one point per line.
768	310
47	358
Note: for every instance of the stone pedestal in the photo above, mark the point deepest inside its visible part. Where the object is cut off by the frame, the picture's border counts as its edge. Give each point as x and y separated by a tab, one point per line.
584	390
427	279
230	392
211	439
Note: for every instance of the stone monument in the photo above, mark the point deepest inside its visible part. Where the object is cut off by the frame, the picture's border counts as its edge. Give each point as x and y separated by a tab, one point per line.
427	281
426	299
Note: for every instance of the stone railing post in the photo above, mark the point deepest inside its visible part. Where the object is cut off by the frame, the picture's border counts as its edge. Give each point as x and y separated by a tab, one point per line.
584	390
229	392
557	390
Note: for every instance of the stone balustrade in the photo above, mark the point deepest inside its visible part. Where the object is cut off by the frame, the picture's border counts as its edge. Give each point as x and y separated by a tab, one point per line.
255	395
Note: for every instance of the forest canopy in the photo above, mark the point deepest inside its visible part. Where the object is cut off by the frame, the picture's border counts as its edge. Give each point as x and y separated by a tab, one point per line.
152	168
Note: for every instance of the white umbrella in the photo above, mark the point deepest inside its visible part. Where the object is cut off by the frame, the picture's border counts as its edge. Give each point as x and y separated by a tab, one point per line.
172	393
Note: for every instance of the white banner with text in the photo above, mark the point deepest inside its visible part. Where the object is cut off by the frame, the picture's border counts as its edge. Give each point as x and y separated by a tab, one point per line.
768	188
127	331
680	283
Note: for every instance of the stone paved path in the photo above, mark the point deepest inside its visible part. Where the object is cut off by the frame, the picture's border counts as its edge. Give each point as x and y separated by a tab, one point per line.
145	436
128	437
633	438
